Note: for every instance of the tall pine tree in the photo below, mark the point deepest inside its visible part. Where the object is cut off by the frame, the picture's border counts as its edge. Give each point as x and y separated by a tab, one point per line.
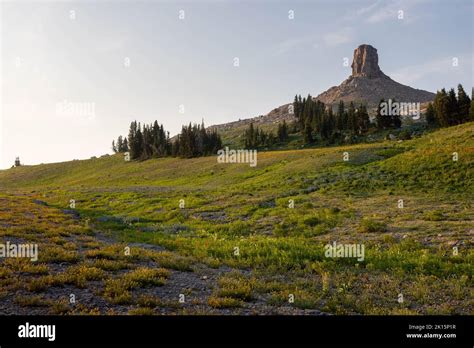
464	103
430	115
453	108
441	106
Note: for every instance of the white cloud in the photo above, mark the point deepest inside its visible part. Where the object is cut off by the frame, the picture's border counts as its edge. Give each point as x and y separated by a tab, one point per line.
382	11
366	9
385	13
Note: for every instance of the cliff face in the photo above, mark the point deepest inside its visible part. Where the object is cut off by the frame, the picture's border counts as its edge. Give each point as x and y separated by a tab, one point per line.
366	62
368	84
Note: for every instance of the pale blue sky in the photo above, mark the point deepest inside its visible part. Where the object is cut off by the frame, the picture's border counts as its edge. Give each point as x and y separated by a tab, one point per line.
48	57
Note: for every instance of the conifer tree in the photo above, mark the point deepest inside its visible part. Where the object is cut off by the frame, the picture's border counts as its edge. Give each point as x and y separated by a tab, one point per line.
119	145
282	133
340	121
430	115
125	145
135	151
471	110
308	136
464	103
139	141
152	141
441	103
352	119
453	108
363	119
380	119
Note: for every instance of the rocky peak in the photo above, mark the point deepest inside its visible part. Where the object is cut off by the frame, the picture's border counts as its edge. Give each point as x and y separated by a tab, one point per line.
366	62
368	84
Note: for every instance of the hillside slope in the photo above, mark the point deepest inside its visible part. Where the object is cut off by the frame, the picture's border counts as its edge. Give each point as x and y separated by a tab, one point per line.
240	240
425	162
232	132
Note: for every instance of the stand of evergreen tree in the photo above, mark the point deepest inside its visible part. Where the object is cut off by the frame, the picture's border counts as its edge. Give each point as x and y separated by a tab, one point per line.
312	119
152	141
387	121
121	145
195	141
315	118
254	137
449	109
282	132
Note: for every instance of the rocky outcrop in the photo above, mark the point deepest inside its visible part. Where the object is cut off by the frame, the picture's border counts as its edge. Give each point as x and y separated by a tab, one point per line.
366	62
368	84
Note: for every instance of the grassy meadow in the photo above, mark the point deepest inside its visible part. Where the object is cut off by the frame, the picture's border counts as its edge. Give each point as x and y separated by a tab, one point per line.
192	236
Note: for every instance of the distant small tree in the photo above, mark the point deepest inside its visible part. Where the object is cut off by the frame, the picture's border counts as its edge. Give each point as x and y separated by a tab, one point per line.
252	136
395	120
133	141
114	148
125	145
471	110
363	119
441	103
308	130
119	145
380	119
282	133
340	121
430	115
453	108
139	148
464	104
352	118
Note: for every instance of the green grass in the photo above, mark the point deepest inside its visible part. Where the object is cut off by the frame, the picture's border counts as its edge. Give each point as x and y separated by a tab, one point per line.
368	225
234	207
224	302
